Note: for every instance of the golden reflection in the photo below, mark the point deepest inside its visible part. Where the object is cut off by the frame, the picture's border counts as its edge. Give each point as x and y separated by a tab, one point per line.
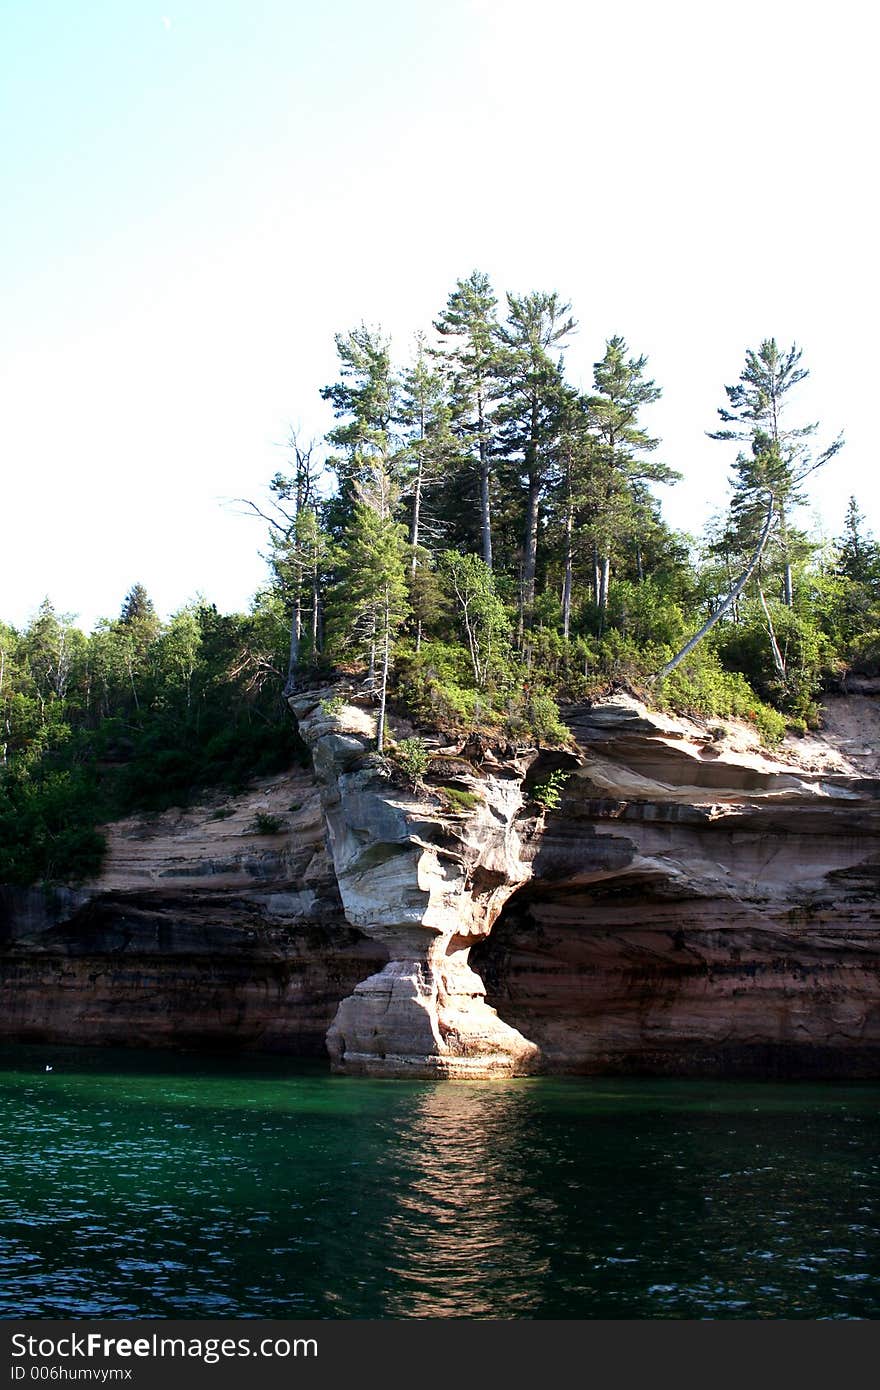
458	1243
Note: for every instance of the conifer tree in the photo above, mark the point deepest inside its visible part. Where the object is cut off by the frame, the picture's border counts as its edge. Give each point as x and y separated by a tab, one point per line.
365	401
755	484
371	590
858	553
619	462
754	412
531	411
428	446
138	607
469	329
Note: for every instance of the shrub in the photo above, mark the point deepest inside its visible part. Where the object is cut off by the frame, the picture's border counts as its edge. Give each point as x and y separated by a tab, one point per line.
412	757
433	683
266	824
701	687
806	651
333	705
544	721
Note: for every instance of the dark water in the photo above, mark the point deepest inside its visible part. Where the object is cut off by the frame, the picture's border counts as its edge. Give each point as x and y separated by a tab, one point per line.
135	1184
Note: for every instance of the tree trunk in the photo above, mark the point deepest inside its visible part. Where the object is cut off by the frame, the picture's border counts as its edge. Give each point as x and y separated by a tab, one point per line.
485	513
386	660
417	490
727	603
414	529
778	660
530	549
566	583
316	613
530	540
604	581
788	587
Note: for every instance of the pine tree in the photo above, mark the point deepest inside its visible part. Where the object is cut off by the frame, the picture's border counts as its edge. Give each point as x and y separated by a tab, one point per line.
618	463
754	414
138	607
469	328
531	411
858	553
755	482
429	447
371	591
365	400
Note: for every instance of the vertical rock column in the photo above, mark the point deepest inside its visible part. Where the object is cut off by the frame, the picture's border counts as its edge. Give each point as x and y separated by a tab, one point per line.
429	886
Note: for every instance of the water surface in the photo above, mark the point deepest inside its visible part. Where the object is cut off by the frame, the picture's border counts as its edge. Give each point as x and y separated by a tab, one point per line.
157	1185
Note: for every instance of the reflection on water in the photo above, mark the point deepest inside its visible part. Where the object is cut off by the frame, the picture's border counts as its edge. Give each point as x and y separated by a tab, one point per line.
457	1243
135	1184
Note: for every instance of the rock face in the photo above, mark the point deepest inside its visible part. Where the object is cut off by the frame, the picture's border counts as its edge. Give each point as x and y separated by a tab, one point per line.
200	932
696	905
427	884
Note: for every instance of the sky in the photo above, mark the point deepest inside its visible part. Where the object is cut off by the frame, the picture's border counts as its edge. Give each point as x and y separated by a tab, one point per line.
199	195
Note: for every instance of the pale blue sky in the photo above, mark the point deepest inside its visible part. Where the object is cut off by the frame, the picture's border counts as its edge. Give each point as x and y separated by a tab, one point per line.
198	195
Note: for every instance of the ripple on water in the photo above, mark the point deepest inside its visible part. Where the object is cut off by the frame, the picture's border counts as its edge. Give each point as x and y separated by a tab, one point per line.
258	1189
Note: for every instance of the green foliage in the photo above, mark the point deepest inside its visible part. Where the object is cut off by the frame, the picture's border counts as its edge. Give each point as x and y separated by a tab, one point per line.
47	828
541	718
136	717
266	824
370	597
864	652
806	651
436	684
333	705
412	756
701	686
548	794
481	613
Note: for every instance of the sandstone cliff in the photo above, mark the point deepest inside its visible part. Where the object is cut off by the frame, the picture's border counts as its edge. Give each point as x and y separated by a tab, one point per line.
696	904
200	932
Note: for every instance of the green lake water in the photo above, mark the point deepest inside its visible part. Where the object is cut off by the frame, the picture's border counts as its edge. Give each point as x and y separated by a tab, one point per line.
158	1185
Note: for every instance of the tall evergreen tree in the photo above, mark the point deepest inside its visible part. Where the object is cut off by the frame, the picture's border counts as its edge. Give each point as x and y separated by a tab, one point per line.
754	414
371	590
858	553
619	462
756	480
428	445
365	401
469	328
531	411
138	607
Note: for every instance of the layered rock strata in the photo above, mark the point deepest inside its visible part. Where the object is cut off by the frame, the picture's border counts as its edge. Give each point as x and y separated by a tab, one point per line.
203	930
695	905
427	882
699	905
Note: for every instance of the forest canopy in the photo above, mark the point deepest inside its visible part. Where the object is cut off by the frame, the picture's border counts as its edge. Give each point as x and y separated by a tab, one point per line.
477	540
